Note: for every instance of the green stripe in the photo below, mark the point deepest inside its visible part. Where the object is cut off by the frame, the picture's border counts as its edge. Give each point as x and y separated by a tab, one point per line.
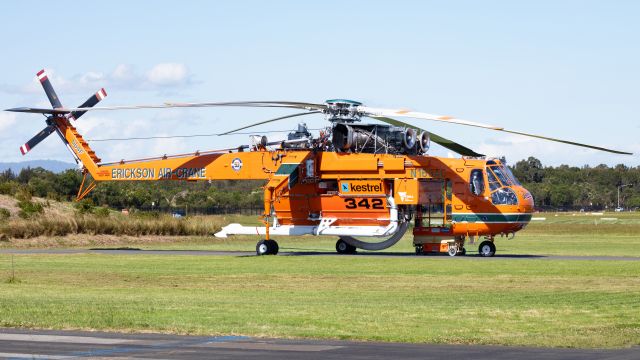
491	218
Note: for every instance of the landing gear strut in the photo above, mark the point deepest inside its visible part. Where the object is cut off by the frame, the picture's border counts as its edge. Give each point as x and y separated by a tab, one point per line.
267	247
343	248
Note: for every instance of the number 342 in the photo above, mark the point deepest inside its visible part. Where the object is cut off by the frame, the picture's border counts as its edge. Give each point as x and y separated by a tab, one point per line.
351	203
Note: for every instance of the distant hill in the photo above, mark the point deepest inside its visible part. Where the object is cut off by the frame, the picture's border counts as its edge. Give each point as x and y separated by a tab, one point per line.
51	165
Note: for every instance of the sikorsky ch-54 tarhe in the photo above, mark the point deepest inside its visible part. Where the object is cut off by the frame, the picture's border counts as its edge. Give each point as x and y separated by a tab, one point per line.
354	180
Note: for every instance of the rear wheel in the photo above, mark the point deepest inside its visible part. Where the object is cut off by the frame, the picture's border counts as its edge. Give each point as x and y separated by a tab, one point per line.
267	247
343	248
453	250
487	248
273	247
262	248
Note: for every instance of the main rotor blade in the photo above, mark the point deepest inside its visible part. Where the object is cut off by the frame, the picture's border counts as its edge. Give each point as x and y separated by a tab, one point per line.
285	104
271	104
271	120
444	142
567	142
91	102
39	110
373	112
24	149
48	89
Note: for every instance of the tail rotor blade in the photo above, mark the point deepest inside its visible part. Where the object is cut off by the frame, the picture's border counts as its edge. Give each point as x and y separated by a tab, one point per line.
48	89
91	102
24	149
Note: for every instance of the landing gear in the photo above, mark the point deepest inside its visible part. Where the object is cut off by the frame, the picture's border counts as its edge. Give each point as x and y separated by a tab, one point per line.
419	250
343	248
487	248
267	247
456	249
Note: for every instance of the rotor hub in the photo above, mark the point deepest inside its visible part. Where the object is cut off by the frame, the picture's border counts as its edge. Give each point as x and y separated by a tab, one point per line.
342	110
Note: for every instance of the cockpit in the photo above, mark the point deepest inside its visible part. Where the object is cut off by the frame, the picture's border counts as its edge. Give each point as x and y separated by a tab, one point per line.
502	184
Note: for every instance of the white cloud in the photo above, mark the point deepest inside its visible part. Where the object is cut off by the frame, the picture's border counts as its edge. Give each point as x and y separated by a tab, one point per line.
6	120
124	76
123	72
168	74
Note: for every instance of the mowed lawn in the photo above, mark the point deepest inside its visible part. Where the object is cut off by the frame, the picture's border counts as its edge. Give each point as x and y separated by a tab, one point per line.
567	234
526	301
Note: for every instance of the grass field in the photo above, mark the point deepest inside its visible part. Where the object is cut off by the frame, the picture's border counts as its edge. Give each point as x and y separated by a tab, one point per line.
436	299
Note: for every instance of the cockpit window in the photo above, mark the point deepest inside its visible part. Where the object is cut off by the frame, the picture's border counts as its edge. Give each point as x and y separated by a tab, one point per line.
493	181
476	182
504	179
511	176
500	179
504	196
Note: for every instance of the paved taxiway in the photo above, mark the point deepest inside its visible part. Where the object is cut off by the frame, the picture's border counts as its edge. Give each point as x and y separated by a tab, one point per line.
295	252
34	344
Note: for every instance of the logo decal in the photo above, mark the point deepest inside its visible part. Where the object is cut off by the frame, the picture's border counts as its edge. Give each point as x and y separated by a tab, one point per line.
345	187
236	164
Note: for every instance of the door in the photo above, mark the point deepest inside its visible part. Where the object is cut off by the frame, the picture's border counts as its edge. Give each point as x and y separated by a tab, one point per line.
434	204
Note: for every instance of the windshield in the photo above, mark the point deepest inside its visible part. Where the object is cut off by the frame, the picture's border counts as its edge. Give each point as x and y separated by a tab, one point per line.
504	179
500	179
511	176
493	181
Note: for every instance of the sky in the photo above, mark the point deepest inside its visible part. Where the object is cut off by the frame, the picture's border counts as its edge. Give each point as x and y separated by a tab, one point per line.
566	69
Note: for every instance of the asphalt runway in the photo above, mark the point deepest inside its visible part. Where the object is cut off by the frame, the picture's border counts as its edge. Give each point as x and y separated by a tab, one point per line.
293	252
47	344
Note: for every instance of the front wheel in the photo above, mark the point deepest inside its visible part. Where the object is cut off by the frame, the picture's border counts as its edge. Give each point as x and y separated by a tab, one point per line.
453	250
487	249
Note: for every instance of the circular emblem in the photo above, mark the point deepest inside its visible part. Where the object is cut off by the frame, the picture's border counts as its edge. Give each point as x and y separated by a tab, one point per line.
236	164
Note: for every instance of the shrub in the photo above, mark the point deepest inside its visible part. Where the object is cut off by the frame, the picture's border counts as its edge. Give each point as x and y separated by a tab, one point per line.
84	206
8	188
4	214
29	208
101	212
23	193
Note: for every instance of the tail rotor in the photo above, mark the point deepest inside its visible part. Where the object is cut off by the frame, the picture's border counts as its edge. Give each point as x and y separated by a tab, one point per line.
56	104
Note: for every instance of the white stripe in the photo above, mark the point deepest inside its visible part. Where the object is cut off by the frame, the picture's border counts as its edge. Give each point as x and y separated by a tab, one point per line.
56	357
42	76
63	339
495	213
32	356
24	149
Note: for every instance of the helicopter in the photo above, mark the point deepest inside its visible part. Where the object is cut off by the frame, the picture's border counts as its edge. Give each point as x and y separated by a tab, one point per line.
354	181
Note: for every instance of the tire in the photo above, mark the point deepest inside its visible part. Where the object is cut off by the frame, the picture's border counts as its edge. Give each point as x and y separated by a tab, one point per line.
419	250
343	248
487	248
453	250
273	247
262	248
463	252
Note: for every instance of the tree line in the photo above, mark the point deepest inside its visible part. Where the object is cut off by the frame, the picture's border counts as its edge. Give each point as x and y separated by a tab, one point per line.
575	188
562	187
134	195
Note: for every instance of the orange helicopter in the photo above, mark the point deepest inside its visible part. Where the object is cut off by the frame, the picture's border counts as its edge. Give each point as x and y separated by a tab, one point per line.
354	180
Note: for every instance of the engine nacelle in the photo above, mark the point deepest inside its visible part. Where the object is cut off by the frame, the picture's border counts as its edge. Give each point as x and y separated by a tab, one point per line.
424	142
370	138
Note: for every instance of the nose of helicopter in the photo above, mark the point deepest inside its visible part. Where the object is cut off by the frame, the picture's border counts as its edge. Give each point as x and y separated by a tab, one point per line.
525	200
